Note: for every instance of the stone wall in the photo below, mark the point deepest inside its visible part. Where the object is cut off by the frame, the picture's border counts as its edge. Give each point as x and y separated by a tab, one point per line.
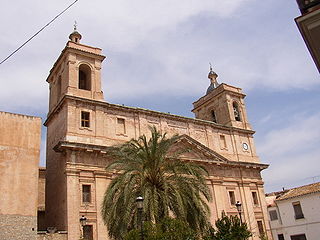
19	161
17	227
53	236
105	129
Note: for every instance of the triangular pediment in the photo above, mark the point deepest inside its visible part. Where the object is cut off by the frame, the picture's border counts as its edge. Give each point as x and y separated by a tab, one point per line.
190	149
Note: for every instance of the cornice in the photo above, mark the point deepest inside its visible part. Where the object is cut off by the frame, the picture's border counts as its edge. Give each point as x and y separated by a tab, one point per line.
100	56
74	146
218	91
145	111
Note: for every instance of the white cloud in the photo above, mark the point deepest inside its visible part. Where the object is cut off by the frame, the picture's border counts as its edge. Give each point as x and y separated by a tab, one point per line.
265	119
292	171
292	151
121	26
155	47
301	132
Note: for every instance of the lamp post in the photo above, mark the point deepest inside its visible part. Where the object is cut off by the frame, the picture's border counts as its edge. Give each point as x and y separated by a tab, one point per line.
83	222
239	208
139	201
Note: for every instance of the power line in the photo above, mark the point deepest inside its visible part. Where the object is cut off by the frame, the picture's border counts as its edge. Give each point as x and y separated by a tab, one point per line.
39	31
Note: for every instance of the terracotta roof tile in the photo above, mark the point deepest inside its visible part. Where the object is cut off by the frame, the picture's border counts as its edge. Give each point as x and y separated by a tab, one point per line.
299	191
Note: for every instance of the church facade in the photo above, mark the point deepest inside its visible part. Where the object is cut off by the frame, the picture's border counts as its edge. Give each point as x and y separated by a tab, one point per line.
81	126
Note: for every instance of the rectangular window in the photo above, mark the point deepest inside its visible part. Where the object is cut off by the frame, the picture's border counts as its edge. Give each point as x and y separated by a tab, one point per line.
273	215
232	198
298	237
260	227
223	143
121	126
86	193
297	210
88	232
255	198
280	237
85	119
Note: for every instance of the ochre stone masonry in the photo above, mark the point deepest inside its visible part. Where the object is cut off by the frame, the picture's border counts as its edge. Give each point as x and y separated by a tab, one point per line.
19	161
81	126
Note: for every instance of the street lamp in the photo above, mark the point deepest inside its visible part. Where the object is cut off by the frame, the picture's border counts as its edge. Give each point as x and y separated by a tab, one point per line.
139	201
83	222
239	208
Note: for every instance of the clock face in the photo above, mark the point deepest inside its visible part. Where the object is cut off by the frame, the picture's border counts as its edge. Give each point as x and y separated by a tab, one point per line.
245	146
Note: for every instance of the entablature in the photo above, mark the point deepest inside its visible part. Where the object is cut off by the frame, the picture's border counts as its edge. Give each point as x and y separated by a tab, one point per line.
218	91
213	157
116	107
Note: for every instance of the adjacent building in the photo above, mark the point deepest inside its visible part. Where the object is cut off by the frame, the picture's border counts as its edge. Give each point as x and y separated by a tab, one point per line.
81	127
309	26
295	213
19	162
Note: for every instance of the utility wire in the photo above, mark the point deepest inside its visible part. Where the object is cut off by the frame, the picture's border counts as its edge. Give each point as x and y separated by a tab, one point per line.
39	31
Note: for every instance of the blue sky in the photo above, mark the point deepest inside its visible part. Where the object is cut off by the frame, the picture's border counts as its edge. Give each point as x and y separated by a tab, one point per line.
157	58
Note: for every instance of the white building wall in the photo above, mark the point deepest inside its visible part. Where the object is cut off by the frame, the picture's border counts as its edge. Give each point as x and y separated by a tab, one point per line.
288	225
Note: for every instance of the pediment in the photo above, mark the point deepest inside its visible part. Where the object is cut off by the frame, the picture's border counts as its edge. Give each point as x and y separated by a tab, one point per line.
190	149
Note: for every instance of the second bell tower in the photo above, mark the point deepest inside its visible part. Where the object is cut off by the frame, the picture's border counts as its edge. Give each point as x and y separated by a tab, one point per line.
222	104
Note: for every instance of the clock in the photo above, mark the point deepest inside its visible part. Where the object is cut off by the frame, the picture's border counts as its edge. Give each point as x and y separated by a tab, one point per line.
245	146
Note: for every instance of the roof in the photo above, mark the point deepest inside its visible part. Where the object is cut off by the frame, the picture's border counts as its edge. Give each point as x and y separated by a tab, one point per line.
300	191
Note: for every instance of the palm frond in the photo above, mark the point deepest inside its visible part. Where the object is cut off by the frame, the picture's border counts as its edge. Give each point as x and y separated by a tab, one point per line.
170	186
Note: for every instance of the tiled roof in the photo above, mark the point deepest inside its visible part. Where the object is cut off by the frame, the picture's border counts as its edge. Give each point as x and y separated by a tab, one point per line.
300	191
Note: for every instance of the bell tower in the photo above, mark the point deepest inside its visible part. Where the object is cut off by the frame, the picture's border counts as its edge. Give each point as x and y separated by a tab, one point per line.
77	72
75	76
223	104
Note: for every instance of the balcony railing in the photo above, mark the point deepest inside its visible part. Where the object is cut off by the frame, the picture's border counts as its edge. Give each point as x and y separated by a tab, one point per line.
305	5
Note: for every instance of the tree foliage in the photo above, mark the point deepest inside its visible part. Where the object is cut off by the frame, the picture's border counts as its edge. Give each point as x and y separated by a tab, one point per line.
230	228
226	228
169	186
167	229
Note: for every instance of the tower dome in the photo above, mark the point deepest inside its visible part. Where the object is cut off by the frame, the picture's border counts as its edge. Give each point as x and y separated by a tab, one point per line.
75	36
213	80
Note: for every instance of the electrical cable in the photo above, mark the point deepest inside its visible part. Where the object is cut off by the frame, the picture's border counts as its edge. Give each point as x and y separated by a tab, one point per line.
38	32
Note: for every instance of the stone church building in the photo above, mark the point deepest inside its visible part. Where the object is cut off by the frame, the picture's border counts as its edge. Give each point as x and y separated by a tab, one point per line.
81	126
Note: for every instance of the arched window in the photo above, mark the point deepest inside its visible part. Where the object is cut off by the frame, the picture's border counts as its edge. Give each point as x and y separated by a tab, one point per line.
84	77
236	111
213	116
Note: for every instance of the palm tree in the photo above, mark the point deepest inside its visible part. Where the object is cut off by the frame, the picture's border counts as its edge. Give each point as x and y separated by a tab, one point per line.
170	187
